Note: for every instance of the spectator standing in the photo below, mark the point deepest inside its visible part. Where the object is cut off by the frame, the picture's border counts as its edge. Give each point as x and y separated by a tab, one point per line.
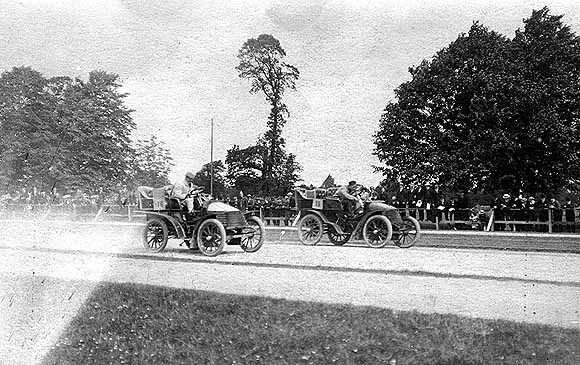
542	208
451	206
405	197
442	209
463	206
502	206
570	214
554	206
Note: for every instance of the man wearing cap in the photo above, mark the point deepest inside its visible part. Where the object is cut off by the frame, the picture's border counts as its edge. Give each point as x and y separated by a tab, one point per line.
350	201
181	190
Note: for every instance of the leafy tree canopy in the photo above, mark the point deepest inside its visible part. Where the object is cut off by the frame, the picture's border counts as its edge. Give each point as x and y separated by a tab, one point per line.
64	134
203	178
152	164
487	106
245	170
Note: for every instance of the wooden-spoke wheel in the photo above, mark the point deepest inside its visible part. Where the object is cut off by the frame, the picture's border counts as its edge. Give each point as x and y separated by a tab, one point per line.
377	231
211	237
408	233
155	235
336	238
253	241
310	230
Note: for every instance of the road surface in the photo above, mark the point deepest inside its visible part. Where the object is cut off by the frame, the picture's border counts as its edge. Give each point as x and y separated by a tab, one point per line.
45	278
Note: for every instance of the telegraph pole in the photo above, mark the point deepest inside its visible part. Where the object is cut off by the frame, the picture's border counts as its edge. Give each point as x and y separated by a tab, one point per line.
211	161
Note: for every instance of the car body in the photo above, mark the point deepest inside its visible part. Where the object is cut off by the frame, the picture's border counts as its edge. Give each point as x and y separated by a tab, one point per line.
209	227
321	212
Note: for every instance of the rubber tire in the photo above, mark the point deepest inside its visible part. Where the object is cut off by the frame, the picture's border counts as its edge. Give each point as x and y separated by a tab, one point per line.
222	232
333	237
416	227
382	219
317	222
260	225
160	223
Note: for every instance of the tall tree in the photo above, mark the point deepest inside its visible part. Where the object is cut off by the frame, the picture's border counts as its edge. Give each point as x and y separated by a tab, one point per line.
486	107
25	127
103	148
64	132
545	103
261	61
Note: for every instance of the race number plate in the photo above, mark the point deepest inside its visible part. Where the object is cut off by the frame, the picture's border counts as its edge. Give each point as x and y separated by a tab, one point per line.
317	203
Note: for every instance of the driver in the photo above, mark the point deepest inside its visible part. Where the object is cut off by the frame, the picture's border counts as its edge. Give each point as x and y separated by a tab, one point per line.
181	190
349	197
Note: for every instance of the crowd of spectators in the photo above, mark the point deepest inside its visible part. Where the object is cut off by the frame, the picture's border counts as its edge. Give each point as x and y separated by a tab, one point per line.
430	203
256	203
427	203
24	199
531	208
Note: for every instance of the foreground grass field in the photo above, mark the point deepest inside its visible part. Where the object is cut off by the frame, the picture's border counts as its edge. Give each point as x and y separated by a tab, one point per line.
126	323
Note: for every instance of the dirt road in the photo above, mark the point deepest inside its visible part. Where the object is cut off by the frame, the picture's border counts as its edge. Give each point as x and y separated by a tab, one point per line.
44	282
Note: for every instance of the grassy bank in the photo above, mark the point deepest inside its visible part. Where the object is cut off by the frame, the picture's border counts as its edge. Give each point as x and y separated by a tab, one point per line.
127	323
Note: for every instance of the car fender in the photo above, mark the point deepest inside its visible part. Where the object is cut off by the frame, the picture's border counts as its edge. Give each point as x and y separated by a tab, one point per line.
180	232
251	213
318	213
357	232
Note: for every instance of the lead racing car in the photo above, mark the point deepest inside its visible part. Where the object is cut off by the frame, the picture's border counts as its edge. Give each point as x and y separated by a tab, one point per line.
320	212
210	226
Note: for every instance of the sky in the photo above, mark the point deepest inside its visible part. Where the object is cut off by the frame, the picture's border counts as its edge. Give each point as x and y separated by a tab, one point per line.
176	61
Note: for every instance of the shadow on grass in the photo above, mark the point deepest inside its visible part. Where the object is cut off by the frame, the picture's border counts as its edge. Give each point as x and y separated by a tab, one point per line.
128	323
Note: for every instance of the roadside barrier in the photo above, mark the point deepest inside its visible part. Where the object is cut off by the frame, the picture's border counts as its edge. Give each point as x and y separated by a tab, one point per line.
532	220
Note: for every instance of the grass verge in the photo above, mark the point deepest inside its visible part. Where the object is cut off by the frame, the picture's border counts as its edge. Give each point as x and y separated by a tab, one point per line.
128	323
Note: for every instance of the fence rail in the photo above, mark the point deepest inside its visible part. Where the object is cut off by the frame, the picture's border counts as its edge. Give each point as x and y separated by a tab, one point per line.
547	220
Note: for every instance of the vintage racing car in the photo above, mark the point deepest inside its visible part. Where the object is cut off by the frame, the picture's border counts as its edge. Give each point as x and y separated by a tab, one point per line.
320	212
211	225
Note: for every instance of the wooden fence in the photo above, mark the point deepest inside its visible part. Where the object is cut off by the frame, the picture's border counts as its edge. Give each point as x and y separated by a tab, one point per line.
460	219
546	220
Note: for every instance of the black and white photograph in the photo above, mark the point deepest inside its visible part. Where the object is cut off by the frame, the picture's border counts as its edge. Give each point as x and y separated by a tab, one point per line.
289	182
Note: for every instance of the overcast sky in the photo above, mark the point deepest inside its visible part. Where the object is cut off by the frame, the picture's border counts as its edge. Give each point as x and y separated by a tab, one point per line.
177	60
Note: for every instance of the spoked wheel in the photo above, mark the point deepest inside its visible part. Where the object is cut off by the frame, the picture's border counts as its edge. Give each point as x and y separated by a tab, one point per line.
211	237
377	231
310	230
336	238
408	233
155	235
252	242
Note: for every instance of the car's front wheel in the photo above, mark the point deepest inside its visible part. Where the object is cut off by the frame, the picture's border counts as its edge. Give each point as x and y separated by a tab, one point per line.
211	237
408	233
377	231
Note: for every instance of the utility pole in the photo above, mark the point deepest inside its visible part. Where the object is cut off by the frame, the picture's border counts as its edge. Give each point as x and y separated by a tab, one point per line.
211	161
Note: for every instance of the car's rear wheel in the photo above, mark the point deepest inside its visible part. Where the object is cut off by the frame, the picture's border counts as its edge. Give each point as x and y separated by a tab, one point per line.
377	231
211	237
252	242
155	235
408	233
310	230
